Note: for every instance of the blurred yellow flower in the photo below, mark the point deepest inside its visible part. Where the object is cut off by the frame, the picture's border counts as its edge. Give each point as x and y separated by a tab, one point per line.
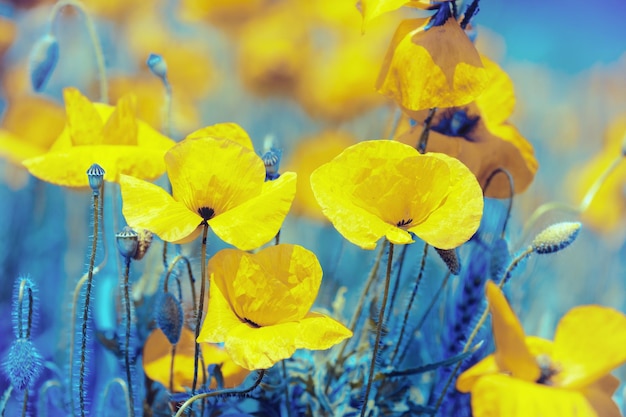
226	14
480	136
259	306
29	127
98	133
432	63
214	180
606	211
387	189
8	32
307	156
157	356
530	376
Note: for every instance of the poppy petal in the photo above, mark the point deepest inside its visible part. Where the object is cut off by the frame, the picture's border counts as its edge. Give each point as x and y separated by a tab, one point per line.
318	332
121	126
83	120
230	131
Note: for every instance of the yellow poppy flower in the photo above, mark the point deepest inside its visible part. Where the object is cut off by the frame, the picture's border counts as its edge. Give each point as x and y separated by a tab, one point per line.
371	9
98	133
214	180
530	376
387	189
428	67
307	156
157	357
606	211
479	135
259	306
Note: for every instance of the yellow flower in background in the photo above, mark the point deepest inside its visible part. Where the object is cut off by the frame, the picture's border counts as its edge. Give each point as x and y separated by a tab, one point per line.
431	63
308	155
157	356
30	125
384	188
226	14
530	376
214	180
259	306
606	211
480	136
8	31
98	133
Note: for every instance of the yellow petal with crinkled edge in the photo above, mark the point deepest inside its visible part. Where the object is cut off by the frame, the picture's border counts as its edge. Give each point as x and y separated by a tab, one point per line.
438	67
467	379
121	126
380	188
257	220
276	285
148	206
16	149
512	354
83	120
588	344
220	318
214	173
157	356
260	348
68	167
456	220
319	332
231	131
371	9
503	395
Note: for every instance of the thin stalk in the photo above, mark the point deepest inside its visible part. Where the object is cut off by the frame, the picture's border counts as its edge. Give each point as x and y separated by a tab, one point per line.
398	276
42	408
423	142
171	382
287	402
407	311
229	392
511	193
129	381
90	273
122	384
479	324
95	42
379	329
370	281
200	311
25	402
5	399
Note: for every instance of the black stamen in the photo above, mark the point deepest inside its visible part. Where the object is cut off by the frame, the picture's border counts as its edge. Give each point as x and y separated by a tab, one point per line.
251	323
403	222
206	213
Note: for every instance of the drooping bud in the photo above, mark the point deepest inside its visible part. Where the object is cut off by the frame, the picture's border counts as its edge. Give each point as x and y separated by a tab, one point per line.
42	61
157	65
95	173
127	242
144	239
23	364
556	237
169	317
451	260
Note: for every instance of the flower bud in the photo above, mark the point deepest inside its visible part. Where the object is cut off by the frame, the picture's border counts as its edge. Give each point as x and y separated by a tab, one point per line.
556	237
451	260
157	65
95	173
144	238
169	317
127	242
42	61
271	159
23	364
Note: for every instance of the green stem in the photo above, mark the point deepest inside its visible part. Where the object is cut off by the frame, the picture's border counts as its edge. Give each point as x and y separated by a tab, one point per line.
129	382
171	383
25	402
95	42
90	272
423	141
200	311
379	328
5	400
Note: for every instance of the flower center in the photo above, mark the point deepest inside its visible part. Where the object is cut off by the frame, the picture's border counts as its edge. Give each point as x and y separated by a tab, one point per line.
548	370
251	323
457	123
403	223
207	213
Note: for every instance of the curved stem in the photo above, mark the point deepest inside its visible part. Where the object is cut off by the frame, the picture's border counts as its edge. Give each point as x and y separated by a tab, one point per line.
411	300
197	397
129	381
379	328
122	384
95	42
83	343
595	187
42	408
5	400
359	309
511	193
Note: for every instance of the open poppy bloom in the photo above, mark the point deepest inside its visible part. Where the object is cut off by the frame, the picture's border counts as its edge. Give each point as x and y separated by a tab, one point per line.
97	133
387	189
432	63
259	305
480	136
530	376
214	180
157	357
